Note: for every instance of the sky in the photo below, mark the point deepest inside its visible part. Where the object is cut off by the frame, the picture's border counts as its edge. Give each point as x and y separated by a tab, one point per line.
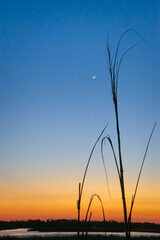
52	110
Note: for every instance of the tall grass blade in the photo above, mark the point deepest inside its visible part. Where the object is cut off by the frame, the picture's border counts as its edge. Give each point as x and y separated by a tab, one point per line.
90	156
120	61
88	209
114	155
84	176
129	30
139	175
114	64
104	165
89	220
78	208
114	67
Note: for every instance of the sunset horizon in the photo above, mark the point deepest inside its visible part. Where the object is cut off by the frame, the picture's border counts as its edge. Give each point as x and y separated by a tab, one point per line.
80	110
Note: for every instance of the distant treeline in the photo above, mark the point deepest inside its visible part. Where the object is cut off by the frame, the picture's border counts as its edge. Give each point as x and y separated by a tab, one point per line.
71	226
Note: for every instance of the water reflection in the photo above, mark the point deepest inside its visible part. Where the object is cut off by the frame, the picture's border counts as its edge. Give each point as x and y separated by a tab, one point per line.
23	232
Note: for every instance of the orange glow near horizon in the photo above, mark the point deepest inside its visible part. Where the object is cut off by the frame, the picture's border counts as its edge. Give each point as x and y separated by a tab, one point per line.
23	203
28	208
56	96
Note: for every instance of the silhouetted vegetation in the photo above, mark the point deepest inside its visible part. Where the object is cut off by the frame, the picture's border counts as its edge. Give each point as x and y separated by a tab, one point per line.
114	64
90	237
81	186
63	225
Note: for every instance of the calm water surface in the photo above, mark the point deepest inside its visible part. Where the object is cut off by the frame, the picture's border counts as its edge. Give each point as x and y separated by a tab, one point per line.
23	232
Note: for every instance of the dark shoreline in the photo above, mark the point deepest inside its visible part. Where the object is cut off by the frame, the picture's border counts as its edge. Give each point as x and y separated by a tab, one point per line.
90	237
64	225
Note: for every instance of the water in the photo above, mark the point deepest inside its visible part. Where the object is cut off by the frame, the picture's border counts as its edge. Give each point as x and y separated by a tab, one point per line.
23	232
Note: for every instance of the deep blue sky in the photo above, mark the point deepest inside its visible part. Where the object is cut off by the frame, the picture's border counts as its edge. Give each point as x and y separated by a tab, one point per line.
51	110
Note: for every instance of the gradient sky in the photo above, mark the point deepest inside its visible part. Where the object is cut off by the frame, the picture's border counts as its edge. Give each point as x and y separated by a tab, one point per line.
52	110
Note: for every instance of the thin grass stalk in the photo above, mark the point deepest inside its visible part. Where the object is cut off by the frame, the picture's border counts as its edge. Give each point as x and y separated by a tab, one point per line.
139	175
114	155
89	220
104	165
114	68
121	171
113	79
88	209
90	156
81	185
78	208
86	217
120	62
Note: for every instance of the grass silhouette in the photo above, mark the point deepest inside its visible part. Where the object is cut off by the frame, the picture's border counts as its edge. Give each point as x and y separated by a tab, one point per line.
114	64
81	185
